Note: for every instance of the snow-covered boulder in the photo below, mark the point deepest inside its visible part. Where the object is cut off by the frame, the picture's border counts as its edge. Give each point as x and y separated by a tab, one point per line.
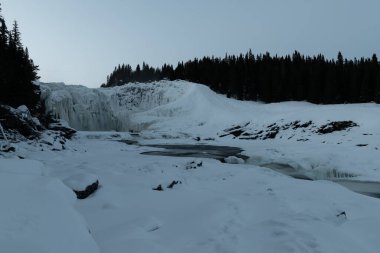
233	160
83	185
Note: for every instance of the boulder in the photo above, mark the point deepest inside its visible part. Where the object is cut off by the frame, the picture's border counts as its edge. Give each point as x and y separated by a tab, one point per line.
233	160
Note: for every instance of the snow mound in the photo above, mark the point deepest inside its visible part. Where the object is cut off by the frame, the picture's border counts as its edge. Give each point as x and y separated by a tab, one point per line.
37	215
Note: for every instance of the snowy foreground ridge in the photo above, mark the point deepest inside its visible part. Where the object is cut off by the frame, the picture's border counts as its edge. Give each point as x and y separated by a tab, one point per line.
239	206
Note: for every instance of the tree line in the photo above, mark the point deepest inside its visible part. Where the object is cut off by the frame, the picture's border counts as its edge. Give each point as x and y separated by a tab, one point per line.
268	78
17	70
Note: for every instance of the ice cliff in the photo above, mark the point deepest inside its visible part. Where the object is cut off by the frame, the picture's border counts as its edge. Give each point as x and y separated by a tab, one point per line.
109	108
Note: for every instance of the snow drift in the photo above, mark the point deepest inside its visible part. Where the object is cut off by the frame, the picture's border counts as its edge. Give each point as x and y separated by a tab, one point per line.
37	213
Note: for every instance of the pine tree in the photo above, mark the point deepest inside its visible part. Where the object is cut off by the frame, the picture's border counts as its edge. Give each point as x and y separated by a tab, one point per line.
271	78
17	70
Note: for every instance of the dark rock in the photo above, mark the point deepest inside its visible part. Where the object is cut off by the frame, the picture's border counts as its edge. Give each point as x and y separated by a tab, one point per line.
296	123
361	145
90	189
65	131
83	185
236	131
235	128
336	126
307	124
272	133
171	185
342	214
158	188
128	142
193	165
16	122
7	149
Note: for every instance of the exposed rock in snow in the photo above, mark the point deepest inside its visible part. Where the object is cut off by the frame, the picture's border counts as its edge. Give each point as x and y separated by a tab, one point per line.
62	127
19	122
83	185
336	126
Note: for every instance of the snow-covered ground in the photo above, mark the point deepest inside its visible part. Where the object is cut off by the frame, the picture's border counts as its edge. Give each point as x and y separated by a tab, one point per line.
214	206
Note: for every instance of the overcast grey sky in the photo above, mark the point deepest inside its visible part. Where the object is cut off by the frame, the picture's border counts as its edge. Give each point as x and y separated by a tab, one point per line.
81	41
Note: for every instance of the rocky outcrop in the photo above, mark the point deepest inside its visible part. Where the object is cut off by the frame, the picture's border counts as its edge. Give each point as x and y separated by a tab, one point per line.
65	130
18	122
336	126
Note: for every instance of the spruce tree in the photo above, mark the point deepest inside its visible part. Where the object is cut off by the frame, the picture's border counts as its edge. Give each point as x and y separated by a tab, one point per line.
17	70
272	78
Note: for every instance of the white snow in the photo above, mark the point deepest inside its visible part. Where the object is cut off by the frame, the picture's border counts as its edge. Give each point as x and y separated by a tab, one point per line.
37	214
214	207
79	182
234	160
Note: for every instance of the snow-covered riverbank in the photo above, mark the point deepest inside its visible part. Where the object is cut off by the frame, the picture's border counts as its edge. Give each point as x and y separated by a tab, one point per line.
212	206
215	207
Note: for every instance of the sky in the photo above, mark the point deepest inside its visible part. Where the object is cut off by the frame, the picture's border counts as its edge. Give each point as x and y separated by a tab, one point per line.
81	41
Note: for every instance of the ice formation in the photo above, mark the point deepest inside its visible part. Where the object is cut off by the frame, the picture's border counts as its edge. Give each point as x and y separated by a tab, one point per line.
108	108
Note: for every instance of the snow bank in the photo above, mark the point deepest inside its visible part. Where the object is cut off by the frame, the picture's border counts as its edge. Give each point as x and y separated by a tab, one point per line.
37	214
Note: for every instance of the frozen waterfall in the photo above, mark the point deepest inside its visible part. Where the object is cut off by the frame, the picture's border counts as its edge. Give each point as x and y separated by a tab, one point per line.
105	109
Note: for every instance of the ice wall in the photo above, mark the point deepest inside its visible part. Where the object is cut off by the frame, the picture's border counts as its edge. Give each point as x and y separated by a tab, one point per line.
107	109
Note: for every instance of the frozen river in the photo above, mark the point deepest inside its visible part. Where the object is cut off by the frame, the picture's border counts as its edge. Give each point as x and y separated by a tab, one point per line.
221	152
